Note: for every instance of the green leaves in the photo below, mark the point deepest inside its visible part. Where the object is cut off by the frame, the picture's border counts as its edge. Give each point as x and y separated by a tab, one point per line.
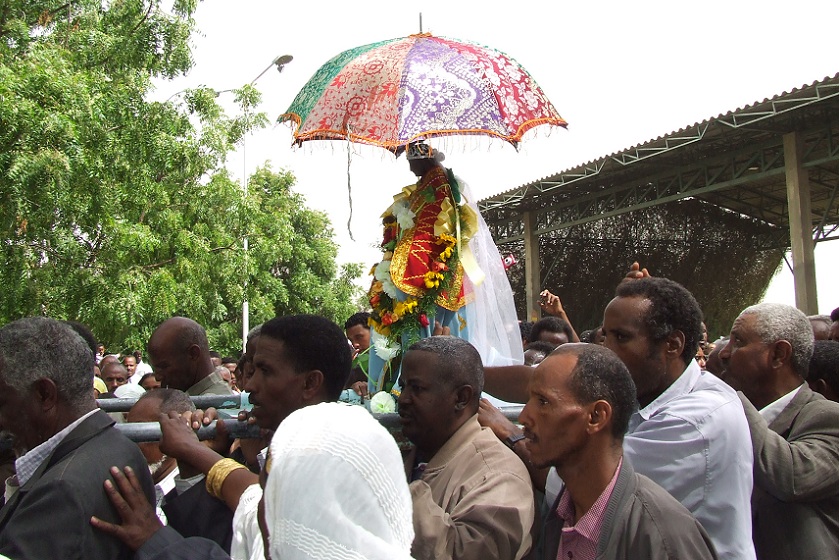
118	212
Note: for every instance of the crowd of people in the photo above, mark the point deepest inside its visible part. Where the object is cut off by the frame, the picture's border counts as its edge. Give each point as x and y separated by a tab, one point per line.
638	439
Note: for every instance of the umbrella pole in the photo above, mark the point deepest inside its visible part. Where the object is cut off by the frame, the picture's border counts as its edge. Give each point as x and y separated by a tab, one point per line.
349	184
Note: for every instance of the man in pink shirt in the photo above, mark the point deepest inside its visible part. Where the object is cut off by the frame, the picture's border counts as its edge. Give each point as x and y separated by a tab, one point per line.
581	399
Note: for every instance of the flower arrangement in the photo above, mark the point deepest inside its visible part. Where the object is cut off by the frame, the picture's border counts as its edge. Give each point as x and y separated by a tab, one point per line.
393	318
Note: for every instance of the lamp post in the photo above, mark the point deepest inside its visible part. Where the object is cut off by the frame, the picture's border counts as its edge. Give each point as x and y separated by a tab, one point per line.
279	62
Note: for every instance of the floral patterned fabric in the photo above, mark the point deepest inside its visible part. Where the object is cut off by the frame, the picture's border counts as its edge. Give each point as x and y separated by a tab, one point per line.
392	92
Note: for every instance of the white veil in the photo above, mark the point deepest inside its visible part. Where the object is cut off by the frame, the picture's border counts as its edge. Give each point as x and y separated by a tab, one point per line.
491	319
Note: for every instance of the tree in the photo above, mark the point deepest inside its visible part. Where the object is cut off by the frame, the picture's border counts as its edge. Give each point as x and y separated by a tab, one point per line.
118	212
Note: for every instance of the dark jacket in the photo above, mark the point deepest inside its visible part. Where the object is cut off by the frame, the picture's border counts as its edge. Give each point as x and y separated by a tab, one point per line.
641	521
49	516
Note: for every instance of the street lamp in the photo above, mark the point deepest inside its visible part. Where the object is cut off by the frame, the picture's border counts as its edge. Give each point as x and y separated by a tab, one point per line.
278	62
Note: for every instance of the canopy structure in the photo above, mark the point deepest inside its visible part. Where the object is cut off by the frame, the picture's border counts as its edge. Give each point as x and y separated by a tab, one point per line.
776	161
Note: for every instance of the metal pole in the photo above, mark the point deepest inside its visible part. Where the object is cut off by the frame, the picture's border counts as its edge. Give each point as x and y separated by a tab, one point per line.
140	432
202	401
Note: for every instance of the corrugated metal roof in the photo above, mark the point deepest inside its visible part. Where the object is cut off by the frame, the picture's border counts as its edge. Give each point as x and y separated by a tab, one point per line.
744	116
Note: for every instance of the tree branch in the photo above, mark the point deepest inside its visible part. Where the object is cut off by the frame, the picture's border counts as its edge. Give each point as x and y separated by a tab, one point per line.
158	264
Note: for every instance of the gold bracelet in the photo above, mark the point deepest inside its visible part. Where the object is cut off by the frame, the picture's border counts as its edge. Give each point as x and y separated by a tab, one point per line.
218	474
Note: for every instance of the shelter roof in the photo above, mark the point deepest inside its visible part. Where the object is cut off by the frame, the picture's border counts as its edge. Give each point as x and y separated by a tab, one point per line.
734	160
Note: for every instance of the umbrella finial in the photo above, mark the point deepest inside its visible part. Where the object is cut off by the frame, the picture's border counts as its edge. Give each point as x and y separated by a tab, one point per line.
420	14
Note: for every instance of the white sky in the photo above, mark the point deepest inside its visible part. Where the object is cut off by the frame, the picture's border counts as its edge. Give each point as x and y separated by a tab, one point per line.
619	72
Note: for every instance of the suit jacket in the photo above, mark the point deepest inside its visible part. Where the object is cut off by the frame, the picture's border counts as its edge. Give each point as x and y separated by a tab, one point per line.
195	513
167	544
641	521
795	502
49	516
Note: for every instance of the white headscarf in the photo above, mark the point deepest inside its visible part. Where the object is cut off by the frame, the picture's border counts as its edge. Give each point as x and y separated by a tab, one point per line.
337	488
129	391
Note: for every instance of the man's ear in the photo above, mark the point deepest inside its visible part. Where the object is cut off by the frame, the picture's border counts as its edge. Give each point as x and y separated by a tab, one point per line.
463	397
818	385
312	384
45	393
675	344
600	417
194	351
781	353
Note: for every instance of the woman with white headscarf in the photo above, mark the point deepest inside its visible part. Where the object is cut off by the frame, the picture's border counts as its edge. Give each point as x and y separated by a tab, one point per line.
336	489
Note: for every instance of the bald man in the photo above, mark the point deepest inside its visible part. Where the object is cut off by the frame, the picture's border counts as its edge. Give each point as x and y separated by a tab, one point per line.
180	354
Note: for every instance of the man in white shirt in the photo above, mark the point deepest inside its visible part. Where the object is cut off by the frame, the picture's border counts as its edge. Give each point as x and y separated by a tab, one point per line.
795	434
141	368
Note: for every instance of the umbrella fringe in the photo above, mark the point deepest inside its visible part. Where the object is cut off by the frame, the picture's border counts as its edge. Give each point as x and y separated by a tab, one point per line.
349	136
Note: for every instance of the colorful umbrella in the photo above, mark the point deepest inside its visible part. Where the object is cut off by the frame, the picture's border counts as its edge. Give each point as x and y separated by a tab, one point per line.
392	92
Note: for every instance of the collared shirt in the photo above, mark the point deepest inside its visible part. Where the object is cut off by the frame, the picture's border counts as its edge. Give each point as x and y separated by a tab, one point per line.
213	384
579	541
771	411
694	441
161	489
28	463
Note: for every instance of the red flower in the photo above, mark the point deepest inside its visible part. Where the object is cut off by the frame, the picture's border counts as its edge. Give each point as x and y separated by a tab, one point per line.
440	267
423	319
390	235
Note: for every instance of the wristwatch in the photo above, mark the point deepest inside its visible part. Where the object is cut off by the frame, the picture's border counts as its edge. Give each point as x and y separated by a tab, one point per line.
511	440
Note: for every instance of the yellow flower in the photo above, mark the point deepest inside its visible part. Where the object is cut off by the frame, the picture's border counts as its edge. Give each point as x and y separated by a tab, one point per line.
446	238
403	308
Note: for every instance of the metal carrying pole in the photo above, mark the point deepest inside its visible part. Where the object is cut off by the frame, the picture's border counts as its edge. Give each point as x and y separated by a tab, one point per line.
150	431
140	432
202	402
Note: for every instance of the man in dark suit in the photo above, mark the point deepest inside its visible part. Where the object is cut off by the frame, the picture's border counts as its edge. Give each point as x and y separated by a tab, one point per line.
795	434
64	443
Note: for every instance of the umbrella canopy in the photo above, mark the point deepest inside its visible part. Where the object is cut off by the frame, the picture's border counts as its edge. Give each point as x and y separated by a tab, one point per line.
393	92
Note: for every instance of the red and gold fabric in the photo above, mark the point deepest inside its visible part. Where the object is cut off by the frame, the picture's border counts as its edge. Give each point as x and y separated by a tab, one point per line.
418	250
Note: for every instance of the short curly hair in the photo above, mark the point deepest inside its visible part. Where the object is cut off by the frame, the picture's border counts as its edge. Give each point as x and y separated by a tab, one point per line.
550	324
672	308
777	321
359	318
824	364
314	342
600	375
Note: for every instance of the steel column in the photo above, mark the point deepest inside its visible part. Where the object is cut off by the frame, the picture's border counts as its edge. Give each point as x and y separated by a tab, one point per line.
532	260
800	225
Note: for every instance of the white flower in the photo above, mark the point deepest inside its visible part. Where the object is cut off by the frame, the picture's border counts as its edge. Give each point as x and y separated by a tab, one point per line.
382	272
382	403
390	288
384	348
404	215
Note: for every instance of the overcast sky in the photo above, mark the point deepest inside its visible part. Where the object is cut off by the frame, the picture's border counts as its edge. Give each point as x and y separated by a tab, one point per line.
620	73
